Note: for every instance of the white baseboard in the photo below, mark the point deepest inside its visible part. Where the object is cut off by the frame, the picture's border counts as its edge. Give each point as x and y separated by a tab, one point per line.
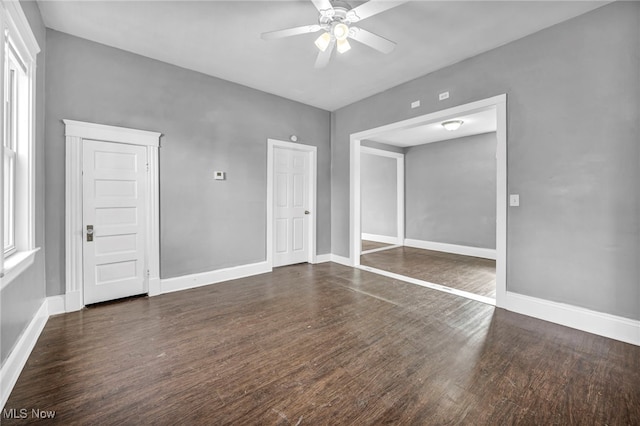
341	260
73	301
18	357
452	248
155	287
323	258
381	238
55	305
607	325
185	282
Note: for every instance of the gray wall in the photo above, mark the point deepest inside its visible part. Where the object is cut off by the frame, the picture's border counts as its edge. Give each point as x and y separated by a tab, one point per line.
451	191
573	154
208	124
379	195
21	299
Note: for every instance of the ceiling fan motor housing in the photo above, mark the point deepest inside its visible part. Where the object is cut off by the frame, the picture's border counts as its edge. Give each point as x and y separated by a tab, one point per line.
339	14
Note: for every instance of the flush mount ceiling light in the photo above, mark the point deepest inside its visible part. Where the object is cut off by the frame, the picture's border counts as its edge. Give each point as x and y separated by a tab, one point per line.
336	19
452	125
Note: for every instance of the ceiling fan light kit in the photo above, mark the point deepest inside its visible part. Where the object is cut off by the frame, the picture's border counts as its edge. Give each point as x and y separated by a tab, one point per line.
340	31
323	41
343	46
336	19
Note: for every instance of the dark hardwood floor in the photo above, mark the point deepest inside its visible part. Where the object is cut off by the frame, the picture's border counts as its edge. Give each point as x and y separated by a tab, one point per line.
318	345
471	274
370	245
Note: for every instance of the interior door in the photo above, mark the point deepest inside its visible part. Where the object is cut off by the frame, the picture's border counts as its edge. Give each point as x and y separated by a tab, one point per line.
291	206
114	186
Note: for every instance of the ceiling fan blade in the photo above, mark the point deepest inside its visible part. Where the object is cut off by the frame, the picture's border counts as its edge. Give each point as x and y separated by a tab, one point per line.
372	7
290	32
372	40
322	5
323	57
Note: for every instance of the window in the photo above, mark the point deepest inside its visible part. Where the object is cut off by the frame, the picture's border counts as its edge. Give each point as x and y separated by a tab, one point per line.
13	133
18	51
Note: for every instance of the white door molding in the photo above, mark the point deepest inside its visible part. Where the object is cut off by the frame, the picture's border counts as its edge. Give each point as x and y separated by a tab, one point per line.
399	188
312	150
499	103
75	133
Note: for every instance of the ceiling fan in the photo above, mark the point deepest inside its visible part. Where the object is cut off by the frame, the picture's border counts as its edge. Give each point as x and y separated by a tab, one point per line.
336	19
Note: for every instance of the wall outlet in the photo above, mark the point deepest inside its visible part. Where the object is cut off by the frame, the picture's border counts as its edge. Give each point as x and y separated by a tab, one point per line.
514	200
415	104
218	175
444	95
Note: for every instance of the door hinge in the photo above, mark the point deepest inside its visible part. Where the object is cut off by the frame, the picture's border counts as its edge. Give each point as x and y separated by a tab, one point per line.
148	273
147	166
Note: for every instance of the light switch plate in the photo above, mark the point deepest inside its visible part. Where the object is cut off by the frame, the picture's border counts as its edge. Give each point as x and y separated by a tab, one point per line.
218	175
514	200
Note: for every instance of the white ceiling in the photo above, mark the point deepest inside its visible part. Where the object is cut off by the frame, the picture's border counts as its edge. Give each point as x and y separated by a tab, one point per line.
222	39
473	124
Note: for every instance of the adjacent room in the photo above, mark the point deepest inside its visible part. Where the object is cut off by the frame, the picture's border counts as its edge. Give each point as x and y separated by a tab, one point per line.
320	212
428	204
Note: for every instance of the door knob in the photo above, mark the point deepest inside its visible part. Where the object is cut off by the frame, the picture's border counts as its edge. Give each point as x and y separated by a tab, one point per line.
306	212
89	232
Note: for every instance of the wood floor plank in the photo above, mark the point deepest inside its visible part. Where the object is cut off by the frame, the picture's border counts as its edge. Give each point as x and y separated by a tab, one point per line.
322	344
371	245
472	274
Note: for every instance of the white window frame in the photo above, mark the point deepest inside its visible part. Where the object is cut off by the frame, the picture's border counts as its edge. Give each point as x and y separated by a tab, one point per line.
15	27
11	151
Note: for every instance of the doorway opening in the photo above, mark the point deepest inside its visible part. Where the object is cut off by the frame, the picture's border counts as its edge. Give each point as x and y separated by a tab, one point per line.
467	257
382	189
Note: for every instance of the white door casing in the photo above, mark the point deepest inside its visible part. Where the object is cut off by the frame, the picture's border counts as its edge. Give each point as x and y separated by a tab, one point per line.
399	157
500	104
114	220
291	216
291	207
77	134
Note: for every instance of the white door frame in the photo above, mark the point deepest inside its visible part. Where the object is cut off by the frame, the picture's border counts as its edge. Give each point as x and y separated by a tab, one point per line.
500	104
313	177
399	190
75	133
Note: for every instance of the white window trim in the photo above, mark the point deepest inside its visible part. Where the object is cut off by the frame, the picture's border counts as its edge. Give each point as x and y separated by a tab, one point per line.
17	264
13	20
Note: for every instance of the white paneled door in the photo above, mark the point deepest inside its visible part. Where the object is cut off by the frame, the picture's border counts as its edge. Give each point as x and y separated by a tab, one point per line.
291	206
113	187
